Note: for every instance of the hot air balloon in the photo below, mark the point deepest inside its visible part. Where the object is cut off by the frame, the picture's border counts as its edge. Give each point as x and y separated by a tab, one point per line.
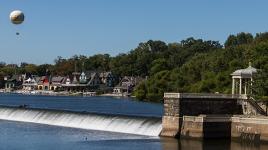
16	17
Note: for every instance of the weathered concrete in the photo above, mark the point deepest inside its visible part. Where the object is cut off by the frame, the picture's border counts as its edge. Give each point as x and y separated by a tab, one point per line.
172	126
171	119
192	127
180	104
204	126
240	128
183	116
251	128
177	105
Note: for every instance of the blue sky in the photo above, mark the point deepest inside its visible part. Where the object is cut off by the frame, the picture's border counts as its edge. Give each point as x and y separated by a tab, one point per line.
67	27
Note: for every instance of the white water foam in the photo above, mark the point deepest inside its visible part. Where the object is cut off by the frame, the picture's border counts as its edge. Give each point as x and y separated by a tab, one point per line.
124	124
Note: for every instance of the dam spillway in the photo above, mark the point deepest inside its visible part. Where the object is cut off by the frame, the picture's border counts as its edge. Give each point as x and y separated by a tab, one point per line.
149	126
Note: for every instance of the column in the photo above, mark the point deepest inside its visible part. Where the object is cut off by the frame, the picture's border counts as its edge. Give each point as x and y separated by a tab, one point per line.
246	83
240	86
251	81
233	86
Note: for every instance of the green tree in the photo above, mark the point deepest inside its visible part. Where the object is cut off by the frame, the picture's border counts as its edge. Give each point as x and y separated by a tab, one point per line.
260	84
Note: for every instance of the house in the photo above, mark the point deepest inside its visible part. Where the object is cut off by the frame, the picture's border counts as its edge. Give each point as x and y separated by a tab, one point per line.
44	83
93	79
75	79
126	85
2	82
83	78
85	81
31	83
13	83
107	79
56	82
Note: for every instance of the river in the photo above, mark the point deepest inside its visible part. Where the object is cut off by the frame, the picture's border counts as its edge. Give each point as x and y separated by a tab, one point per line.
32	136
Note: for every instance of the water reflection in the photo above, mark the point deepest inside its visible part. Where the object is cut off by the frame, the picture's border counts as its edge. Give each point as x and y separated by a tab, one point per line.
188	144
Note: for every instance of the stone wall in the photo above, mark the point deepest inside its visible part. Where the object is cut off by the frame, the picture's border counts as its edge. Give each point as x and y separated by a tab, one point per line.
171	119
180	104
171	126
197	106
192	127
240	128
250	129
177	105
204	126
207	115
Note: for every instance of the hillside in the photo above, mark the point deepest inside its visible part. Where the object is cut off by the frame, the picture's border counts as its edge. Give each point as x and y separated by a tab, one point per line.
192	65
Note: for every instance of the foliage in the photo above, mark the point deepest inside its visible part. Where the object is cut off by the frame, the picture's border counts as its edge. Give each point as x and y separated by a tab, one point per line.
260	84
192	65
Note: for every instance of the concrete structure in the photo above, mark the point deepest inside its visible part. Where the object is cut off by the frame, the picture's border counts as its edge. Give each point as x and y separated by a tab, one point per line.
242	80
241	128
177	105
206	126
249	128
206	115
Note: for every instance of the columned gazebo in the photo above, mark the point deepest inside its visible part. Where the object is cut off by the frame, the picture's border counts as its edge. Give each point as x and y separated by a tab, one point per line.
242	80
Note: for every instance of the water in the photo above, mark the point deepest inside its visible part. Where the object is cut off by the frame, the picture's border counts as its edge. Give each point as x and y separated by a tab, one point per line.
29	136
107	105
115	123
26	136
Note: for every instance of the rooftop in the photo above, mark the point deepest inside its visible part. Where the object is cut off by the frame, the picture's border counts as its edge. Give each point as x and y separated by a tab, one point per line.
247	72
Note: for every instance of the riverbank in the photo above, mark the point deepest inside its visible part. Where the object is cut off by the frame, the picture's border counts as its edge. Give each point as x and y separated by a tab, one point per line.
64	93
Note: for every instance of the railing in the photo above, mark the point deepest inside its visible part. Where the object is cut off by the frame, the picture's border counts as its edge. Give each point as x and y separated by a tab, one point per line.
255	105
172	95
204	95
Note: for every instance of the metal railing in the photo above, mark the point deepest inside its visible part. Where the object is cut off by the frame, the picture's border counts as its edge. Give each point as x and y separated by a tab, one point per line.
204	95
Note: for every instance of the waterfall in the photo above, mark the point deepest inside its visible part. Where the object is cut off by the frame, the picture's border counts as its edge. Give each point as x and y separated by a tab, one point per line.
148	126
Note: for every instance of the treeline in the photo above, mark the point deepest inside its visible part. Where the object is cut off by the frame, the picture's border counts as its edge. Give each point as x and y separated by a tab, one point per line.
192	65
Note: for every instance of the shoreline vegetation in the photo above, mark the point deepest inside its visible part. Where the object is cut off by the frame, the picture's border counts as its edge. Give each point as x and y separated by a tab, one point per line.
191	65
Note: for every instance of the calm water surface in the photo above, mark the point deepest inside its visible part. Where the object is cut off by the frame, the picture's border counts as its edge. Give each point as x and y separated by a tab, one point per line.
109	105
28	136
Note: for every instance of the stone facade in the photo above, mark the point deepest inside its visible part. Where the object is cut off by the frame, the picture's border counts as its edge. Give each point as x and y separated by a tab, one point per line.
171	126
171	119
239	128
250	129
206	126
177	105
209	116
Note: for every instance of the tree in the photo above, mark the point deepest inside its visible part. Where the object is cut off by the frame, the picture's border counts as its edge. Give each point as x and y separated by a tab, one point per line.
44	69
2	64
260	84
239	39
31	68
158	65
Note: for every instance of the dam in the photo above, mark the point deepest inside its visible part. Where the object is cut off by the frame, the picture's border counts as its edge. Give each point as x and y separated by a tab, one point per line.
149	126
185	115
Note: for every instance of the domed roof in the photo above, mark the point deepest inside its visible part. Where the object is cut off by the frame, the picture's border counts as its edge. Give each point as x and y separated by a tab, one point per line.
247	73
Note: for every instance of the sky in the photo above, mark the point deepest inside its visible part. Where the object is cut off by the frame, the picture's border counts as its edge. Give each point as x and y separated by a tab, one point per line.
87	27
